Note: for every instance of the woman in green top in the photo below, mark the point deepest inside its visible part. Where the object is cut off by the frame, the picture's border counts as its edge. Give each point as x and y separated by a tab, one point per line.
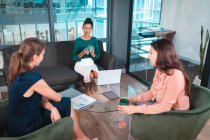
86	49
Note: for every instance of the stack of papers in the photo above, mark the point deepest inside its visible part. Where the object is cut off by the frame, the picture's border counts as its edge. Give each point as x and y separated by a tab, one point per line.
78	99
82	101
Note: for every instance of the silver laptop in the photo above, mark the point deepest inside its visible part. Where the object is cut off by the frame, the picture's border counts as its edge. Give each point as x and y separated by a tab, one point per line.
106	77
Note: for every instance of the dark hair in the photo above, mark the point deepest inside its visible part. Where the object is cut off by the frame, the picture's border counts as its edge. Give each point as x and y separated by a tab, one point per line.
167	59
20	59
88	21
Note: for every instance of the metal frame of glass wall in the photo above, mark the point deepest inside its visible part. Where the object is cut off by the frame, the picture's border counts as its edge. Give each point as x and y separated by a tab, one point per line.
130	37
52	20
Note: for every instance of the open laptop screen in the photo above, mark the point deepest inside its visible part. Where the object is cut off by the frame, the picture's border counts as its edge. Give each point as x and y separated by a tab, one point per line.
106	77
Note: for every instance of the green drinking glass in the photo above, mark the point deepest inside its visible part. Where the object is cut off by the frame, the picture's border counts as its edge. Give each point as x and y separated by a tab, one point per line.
124	101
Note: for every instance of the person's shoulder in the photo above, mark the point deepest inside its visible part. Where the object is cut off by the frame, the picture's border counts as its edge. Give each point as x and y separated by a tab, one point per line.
78	39
31	75
33	72
94	38
177	73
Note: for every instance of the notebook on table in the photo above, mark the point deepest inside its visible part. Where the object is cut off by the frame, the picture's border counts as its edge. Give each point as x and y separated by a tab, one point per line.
106	77
111	95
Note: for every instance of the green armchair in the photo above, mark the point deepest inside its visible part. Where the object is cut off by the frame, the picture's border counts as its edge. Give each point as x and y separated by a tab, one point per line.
60	130
174	125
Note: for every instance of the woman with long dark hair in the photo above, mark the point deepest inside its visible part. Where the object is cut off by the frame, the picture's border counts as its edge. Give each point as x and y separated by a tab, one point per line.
86	50
170	89
32	103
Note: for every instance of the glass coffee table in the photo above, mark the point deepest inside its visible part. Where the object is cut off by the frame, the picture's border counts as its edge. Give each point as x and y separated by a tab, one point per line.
103	104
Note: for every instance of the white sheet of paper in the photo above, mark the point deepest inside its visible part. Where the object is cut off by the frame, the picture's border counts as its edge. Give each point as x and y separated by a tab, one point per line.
78	99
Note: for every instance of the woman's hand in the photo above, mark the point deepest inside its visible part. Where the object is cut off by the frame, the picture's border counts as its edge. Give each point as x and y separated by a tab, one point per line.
131	100
92	53
85	51
82	53
55	115
127	109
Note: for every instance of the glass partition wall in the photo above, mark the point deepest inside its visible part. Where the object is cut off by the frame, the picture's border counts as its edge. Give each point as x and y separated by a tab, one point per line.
32	18
22	19
144	17
70	16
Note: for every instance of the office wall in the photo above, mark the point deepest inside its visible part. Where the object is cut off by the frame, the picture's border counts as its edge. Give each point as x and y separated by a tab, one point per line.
186	17
119	31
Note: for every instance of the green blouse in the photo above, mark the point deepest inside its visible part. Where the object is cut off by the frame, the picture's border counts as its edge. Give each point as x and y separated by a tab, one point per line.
80	44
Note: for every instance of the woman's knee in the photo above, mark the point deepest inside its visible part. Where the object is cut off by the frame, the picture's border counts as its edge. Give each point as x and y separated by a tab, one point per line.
91	76
71	111
95	74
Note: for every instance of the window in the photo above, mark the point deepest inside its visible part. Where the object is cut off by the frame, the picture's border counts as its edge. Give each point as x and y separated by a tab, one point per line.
23	19
70	15
146	13
145	16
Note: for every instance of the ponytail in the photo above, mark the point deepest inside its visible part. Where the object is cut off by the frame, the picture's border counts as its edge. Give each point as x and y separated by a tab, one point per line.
16	66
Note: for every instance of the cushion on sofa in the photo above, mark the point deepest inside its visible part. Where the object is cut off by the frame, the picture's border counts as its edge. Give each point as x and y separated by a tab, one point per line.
64	53
3	117
50	56
58	75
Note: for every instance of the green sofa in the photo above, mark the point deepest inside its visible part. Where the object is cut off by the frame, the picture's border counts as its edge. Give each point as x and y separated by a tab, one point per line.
174	125
60	130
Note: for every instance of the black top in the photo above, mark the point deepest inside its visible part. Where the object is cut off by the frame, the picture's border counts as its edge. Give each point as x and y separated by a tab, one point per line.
25	113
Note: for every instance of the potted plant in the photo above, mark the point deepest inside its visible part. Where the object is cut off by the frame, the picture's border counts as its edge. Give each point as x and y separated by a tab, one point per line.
203	48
